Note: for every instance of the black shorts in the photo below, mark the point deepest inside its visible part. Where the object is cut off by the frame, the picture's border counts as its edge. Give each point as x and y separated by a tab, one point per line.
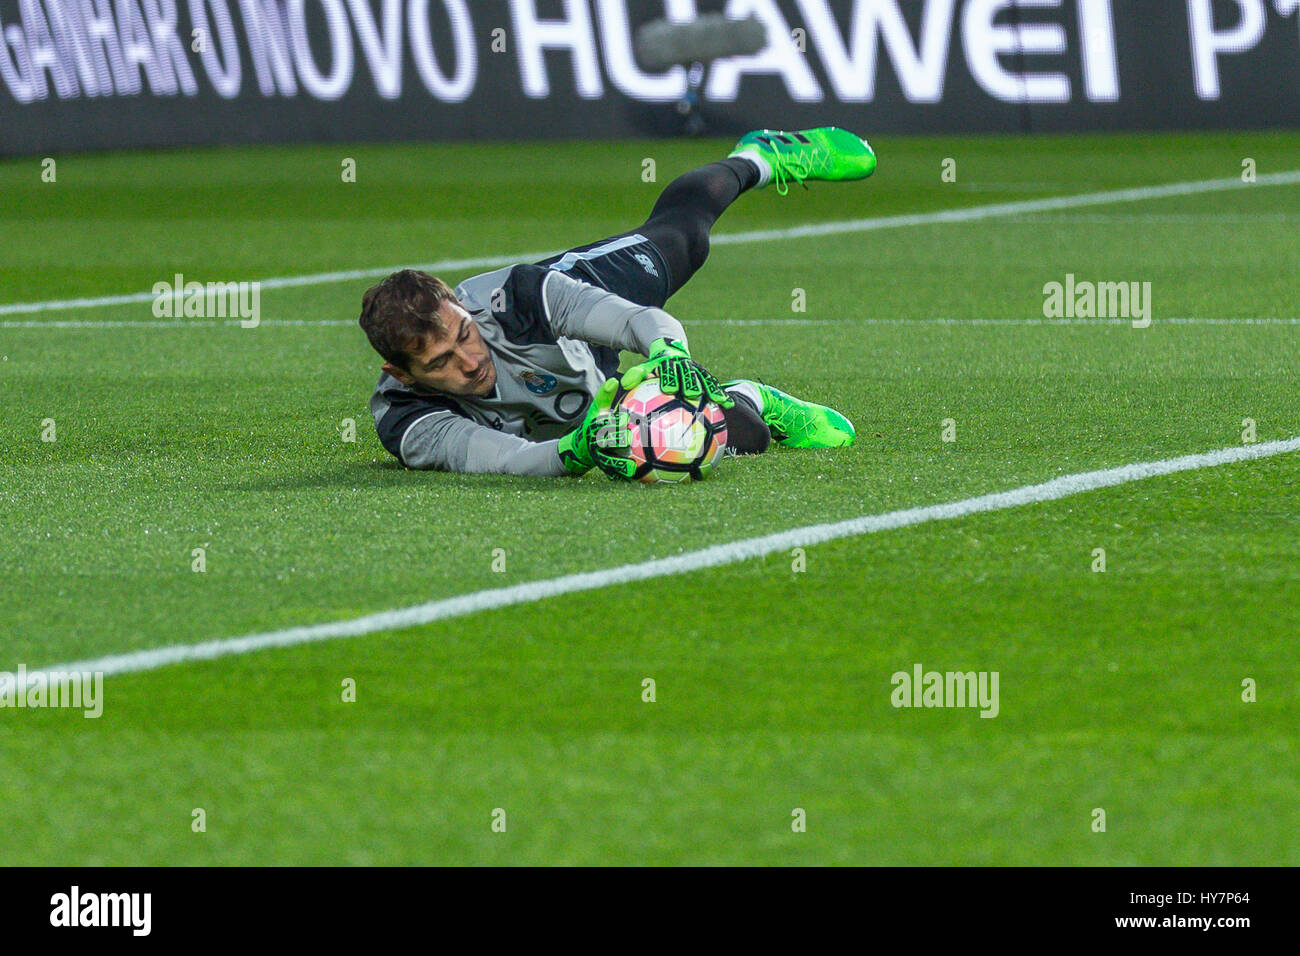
629	265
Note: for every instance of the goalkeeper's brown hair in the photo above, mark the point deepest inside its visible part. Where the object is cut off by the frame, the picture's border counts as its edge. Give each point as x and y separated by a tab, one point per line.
399	313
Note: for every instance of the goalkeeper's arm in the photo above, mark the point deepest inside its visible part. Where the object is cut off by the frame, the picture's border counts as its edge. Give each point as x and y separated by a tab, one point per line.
582	311
449	442
578	310
446	441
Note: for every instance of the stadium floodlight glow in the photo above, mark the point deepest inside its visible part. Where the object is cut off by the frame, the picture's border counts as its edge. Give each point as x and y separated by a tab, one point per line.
662	44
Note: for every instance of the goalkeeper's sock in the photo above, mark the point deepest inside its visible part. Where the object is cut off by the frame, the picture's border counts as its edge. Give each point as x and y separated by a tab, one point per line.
759	162
749	391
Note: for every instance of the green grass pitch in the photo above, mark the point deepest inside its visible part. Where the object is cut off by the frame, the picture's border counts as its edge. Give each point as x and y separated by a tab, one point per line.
1119	690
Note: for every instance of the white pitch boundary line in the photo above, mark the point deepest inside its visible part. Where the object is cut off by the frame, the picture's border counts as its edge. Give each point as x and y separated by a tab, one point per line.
968	214
720	554
848	320
278	282
941	320
975	213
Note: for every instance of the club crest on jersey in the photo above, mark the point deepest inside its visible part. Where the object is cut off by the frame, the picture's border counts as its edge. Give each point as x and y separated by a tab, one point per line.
538	384
647	263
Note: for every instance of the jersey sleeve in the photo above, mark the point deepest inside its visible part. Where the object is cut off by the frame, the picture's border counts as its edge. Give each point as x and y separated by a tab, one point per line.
579	310
432	433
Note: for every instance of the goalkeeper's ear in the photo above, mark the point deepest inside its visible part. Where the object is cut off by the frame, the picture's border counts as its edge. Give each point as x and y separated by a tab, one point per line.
401	374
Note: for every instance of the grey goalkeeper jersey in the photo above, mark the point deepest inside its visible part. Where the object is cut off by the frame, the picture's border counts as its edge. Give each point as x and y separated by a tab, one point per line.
554	340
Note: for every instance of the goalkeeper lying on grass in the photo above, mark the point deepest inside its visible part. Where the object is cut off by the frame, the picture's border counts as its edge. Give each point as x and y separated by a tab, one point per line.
511	372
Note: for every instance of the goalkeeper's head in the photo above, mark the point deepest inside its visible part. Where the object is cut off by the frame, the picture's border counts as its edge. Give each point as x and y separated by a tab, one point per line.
425	336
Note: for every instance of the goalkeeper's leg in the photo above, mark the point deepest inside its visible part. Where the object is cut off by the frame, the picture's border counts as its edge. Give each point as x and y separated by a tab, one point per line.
688	207
680	222
792	421
747	433
763	413
646	265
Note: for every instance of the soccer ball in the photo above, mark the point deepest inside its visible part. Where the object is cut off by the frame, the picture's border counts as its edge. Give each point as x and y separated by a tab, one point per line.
671	438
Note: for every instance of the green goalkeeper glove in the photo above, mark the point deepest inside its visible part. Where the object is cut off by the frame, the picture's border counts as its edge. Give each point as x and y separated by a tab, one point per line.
678	373
600	429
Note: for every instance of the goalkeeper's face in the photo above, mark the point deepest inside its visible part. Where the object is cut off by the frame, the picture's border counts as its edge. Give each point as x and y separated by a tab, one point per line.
456	363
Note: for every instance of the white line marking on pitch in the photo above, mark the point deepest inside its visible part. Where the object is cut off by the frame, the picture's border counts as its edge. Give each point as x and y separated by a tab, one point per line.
277	282
715	556
847	320
975	213
968	214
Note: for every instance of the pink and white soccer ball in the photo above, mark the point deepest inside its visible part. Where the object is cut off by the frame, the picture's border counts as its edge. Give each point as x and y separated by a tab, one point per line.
673	439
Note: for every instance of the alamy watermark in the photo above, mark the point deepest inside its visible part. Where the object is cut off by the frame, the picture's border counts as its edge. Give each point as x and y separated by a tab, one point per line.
922	688
213	300
78	690
133	911
1098	300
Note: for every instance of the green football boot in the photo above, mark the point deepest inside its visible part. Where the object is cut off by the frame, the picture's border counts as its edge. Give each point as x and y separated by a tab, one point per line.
799	424
827	153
